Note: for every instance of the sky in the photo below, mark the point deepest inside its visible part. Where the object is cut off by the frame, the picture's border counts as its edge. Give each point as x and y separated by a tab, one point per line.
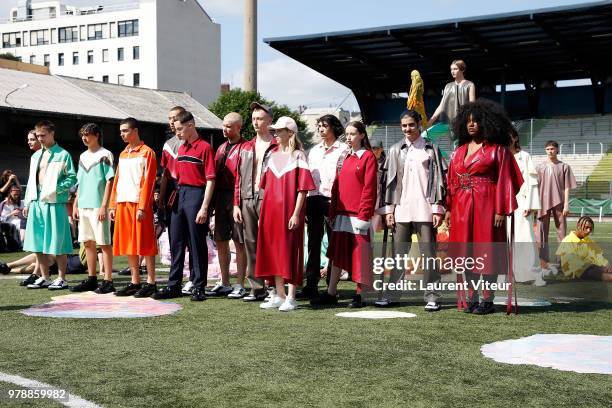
277	73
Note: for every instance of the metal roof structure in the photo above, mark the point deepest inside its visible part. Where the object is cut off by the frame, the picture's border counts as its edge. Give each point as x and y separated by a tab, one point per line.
80	97
530	47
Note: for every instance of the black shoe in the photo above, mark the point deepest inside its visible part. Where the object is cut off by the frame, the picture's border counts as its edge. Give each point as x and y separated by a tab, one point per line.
384	302
146	290
125	272
219	290
86	285
129	290
356	303
485	308
105	287
324	299
307	292
29	280
167	293
471	306
4	269
197	295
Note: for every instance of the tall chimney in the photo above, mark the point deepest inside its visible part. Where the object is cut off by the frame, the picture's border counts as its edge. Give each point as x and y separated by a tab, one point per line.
250	45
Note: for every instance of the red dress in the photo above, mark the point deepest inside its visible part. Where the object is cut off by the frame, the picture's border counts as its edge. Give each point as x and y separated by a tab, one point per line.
352	207
484	185
280	251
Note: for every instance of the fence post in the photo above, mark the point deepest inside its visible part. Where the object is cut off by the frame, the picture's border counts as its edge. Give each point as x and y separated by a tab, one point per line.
600	213
531	137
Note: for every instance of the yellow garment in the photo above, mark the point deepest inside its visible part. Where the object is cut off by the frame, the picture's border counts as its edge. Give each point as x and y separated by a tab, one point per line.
415	96
578	254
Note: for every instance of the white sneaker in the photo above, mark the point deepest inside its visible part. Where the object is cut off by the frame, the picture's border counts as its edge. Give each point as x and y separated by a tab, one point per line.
237	293
274	303
58	284
539	280
186	290
344	276
288	305
553	269
432	306
271	293
39	283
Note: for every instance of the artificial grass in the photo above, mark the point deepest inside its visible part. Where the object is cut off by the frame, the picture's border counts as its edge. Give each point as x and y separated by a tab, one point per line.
226	353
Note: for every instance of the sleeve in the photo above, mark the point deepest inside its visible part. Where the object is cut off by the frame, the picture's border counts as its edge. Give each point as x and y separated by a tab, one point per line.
107	167
264	179
533	192
113	198
237	180
333	203
305	182
450	176
367	202
209	163
145	201
509	181
3	216
69	177
439	178
569	181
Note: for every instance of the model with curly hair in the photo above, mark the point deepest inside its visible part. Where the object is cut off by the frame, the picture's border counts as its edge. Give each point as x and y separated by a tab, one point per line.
483	181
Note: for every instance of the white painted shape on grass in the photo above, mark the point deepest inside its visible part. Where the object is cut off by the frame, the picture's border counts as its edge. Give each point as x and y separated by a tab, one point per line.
580	353
376	314
74	401
523	302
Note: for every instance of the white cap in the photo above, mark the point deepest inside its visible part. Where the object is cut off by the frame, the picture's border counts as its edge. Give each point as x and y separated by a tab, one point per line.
285	122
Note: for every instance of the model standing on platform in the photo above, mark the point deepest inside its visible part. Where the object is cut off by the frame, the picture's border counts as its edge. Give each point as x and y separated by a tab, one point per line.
352	206
48	230
280	249
90	208
131	208
455	95
483	181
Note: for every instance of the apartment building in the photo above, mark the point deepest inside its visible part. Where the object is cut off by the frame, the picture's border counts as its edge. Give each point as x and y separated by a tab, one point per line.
159	44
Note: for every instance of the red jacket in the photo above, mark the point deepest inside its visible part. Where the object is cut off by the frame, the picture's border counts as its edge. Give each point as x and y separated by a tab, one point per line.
354	190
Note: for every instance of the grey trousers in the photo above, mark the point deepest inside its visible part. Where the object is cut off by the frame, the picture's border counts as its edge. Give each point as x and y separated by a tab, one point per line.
250	209
427	241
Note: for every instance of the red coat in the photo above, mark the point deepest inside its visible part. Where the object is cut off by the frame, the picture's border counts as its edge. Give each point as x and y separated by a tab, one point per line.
485	185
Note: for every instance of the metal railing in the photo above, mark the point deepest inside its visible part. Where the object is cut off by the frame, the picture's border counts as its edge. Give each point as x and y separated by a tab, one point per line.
573	145
76	12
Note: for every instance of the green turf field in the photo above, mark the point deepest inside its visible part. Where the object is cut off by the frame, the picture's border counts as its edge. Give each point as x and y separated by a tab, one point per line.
225	353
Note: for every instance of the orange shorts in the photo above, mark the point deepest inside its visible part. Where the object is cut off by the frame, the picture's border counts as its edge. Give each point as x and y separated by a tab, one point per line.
133	237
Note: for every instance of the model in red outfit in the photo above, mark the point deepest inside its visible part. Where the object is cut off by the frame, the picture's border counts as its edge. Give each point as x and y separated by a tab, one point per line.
352	205
483	181
280	249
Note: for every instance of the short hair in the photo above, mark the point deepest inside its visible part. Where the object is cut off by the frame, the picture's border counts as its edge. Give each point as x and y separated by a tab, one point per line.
411	114
177	108
131	122
45	124
184	117
234	117
460	64
91	129
334	123
552	143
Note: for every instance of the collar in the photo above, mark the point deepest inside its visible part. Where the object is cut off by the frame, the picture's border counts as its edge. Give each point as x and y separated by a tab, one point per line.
192	144
53	149
129	149
419	143
358	153
334	145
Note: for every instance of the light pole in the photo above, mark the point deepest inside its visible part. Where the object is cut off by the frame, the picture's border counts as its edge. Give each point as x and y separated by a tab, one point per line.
19	88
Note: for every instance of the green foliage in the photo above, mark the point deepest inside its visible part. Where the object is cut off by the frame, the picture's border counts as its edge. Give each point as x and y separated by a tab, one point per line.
9	56
237	100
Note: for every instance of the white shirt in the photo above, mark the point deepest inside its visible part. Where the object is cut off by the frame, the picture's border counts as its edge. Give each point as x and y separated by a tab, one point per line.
322	161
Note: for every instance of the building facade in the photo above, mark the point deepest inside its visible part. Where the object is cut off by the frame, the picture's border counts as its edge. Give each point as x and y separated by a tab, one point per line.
158	44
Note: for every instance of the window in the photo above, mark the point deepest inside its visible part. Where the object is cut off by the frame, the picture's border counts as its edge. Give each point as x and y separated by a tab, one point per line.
94	32
120	79
68	34
136	79
127	28
90	58
120	55
83	30
60	59
136	52
32	59
11	40
75	58
105	79
105	55
46	60
39	37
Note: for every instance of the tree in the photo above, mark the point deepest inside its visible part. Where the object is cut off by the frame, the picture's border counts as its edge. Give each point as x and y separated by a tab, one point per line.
237	100
9	56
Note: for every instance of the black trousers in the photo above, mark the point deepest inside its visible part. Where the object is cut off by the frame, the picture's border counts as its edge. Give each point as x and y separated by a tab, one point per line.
317	218
186	233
